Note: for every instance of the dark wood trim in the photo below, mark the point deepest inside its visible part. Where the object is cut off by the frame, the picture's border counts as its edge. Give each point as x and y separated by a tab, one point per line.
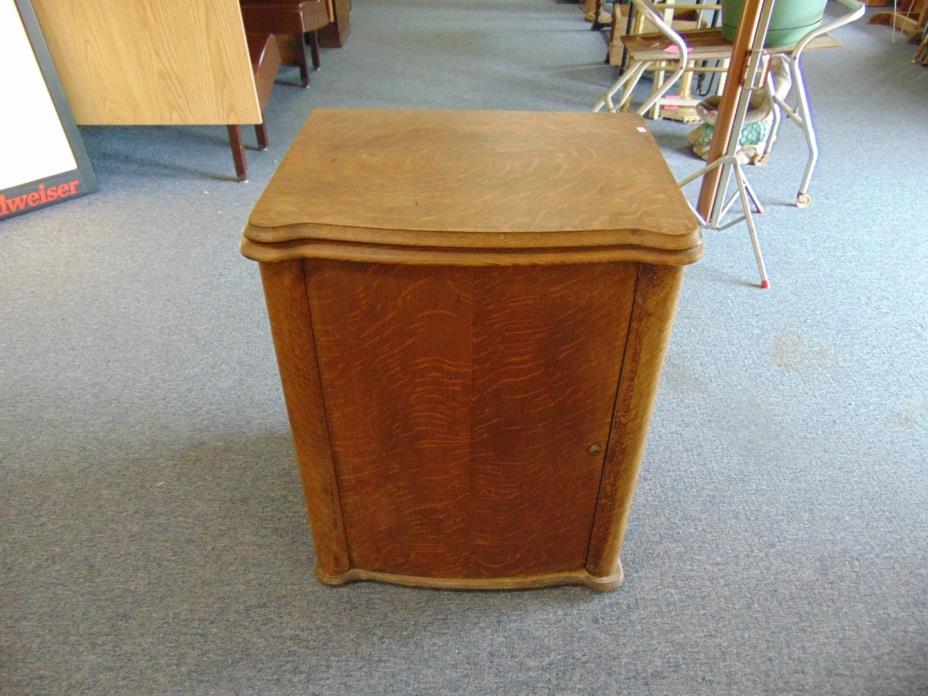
238	152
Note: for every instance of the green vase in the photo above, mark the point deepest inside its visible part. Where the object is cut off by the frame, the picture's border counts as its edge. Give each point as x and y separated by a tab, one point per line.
791	20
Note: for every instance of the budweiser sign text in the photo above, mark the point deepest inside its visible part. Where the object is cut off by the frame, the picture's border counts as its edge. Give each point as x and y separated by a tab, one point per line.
39	197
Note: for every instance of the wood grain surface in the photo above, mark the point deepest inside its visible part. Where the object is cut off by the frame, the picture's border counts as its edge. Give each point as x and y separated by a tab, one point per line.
291	326
473	180
658	288
469	410
436	256
151	62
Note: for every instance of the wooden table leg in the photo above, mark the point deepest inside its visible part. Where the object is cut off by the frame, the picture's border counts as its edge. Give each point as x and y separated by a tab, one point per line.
313	38
302	59
238	152
261	135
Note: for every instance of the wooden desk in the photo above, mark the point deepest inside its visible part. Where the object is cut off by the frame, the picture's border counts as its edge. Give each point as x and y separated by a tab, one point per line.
470	337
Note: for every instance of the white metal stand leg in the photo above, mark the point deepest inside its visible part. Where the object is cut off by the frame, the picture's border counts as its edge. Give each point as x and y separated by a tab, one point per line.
764	155
626	83
746	196
759	209
803	199
752	230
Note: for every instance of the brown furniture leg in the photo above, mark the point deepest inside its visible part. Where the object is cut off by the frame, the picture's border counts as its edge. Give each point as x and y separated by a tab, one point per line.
313	38
303	62
261	135
265	62
238	152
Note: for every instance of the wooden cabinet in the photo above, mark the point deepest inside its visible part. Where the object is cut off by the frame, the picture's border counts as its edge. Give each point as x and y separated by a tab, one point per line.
470	337
335	34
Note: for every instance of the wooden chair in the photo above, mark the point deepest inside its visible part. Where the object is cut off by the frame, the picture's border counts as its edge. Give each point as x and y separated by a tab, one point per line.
682	17
265	62
669	53
921	53
295	22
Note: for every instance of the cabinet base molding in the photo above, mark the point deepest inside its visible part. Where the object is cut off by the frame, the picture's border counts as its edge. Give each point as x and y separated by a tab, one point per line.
526	582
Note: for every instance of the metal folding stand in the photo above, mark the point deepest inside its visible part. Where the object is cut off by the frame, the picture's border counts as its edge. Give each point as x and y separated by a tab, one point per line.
745	194
728	162
669	65
758	77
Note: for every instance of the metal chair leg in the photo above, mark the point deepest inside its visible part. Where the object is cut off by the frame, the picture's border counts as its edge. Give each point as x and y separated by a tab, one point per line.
629	78
803	199
803	114
758	207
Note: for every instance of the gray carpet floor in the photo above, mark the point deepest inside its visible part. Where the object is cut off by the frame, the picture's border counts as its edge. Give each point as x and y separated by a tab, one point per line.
152	531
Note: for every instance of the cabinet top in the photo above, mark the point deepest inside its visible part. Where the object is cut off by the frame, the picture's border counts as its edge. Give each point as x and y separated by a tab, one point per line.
473	187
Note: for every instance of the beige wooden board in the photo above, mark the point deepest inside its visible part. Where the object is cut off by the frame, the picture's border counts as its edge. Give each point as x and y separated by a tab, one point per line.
151	62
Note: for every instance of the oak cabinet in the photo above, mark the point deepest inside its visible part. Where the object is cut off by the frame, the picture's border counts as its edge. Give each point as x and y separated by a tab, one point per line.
470	337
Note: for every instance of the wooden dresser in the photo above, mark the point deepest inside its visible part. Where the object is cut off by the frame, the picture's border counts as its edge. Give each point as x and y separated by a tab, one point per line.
470	337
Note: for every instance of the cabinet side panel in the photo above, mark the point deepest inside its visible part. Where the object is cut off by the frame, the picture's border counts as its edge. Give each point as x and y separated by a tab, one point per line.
291	326
649	332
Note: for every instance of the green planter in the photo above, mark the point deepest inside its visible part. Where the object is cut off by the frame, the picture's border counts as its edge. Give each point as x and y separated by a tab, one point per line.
791	20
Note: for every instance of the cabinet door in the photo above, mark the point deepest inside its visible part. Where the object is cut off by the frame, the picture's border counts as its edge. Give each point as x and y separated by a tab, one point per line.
469	410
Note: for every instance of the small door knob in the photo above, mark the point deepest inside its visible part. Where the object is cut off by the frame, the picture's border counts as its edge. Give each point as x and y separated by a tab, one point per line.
595	449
